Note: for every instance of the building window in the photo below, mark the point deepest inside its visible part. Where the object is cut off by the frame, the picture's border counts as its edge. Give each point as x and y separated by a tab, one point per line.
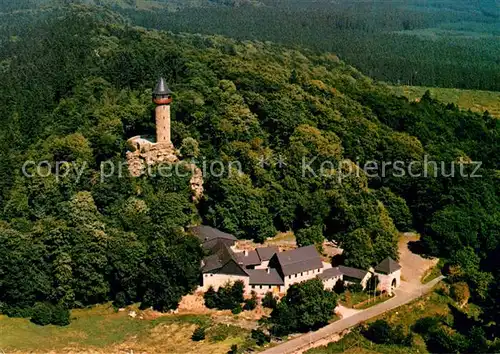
289	277
253	286
295	275
260	286
301	274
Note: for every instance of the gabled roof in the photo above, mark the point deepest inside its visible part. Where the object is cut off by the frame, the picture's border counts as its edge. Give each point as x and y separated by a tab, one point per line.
218	260
206	233
299	260
353	272
161	88
387	266
266	253
330	273
214	246
250	258
262	277
211	263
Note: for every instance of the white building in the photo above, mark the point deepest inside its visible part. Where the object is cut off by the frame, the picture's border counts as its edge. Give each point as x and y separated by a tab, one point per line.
267	270
389	275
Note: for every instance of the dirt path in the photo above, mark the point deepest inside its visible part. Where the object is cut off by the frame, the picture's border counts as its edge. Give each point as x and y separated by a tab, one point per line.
413	265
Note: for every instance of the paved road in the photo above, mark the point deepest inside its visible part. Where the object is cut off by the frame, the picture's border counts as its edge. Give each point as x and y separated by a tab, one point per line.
405	294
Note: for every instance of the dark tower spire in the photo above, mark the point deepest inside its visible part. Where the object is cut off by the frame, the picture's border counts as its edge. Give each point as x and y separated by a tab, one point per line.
161	88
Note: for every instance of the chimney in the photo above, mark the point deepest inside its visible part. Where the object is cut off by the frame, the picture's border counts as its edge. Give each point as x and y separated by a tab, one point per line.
268	270
246	253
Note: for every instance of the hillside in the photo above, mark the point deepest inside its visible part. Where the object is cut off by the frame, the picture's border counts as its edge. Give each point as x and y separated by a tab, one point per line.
432	43
303	126
475	100
427	43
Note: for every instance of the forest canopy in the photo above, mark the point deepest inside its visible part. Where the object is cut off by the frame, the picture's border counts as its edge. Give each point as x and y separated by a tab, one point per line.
77	86
428	43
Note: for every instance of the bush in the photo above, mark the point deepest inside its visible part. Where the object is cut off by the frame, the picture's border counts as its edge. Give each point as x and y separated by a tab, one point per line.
17	311
443	340
221	332
233	350
236	310
60	316
426	324
355	287
260	337
198	334
339	287
269	301
306	306
237	291
42	314
210	298
460	293
228	297
381	332
251	304
120	300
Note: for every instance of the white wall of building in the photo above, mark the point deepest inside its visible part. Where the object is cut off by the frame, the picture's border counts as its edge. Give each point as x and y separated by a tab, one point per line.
218	280
385	280
330	283
300	277
262	290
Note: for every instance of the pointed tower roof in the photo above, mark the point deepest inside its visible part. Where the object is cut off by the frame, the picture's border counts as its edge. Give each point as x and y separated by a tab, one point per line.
387	266
161	88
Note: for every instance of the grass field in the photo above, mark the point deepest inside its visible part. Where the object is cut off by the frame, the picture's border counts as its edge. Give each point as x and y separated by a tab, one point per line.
476	101
102	330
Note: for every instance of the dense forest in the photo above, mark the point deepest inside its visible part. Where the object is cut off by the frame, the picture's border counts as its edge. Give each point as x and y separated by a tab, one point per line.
76	86
427	43
424	43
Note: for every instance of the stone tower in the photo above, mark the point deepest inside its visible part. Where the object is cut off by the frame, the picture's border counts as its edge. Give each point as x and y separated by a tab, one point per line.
143	153
162	96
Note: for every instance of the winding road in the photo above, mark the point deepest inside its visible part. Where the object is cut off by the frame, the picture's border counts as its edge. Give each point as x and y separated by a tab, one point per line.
406	293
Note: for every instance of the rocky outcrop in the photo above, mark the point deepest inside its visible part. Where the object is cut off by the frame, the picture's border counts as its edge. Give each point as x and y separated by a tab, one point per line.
196	182
144	153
